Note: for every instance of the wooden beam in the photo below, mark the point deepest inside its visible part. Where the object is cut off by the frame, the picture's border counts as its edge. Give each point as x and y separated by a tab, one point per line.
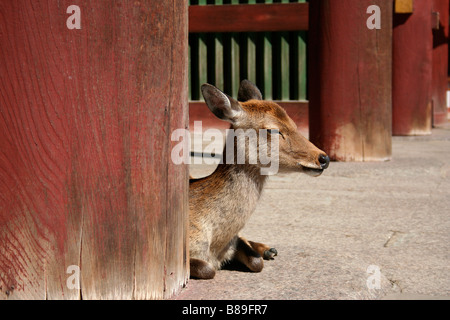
249	17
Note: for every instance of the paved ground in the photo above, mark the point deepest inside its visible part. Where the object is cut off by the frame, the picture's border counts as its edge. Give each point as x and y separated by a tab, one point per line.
358	223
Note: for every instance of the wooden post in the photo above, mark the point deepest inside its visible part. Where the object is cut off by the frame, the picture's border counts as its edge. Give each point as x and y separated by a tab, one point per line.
91	205
350	79
440	60
412	71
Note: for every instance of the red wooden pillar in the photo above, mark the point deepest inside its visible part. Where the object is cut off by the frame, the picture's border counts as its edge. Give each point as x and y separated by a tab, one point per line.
350	79
412	71
91	204
440	60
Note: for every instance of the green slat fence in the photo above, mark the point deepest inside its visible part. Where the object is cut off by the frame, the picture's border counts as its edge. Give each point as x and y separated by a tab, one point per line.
275	61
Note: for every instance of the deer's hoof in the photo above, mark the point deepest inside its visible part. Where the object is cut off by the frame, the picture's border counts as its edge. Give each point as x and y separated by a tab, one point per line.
269	254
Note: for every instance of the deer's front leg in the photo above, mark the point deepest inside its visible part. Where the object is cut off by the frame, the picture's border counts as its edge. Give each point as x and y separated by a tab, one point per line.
252	253
247	255
264	250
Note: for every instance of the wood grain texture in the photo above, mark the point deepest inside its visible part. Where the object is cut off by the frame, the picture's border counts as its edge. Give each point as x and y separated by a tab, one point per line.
412	71
85	172
350	80
249	18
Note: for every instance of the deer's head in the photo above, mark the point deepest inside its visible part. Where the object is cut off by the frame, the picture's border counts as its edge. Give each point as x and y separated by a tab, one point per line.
295	152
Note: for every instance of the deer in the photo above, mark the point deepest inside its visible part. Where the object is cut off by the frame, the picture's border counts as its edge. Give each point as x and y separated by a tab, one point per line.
220	204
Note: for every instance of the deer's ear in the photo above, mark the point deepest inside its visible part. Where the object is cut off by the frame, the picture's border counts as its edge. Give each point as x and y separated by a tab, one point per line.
248	91
223	106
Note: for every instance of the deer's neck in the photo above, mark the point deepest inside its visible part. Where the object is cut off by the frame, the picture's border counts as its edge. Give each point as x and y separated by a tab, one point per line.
231	191
242	178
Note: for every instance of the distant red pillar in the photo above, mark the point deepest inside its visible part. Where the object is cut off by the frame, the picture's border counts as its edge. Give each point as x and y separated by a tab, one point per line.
350	79
440	60
412	71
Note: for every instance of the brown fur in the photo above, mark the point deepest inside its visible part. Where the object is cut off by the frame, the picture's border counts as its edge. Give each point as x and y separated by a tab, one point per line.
221	204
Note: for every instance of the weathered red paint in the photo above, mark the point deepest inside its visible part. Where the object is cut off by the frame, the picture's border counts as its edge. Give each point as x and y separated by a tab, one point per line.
85	172
350	80
264	17
440	61
412	71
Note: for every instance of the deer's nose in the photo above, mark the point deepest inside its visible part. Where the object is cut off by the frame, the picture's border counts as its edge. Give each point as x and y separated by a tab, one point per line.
324	161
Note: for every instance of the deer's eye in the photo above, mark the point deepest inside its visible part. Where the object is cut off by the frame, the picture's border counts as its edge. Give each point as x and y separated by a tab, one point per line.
276	131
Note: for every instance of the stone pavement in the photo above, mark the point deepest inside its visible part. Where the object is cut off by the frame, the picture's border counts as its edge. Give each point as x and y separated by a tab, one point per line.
368	230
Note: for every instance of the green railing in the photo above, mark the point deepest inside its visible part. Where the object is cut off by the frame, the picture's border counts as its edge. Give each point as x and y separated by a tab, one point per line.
275	61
